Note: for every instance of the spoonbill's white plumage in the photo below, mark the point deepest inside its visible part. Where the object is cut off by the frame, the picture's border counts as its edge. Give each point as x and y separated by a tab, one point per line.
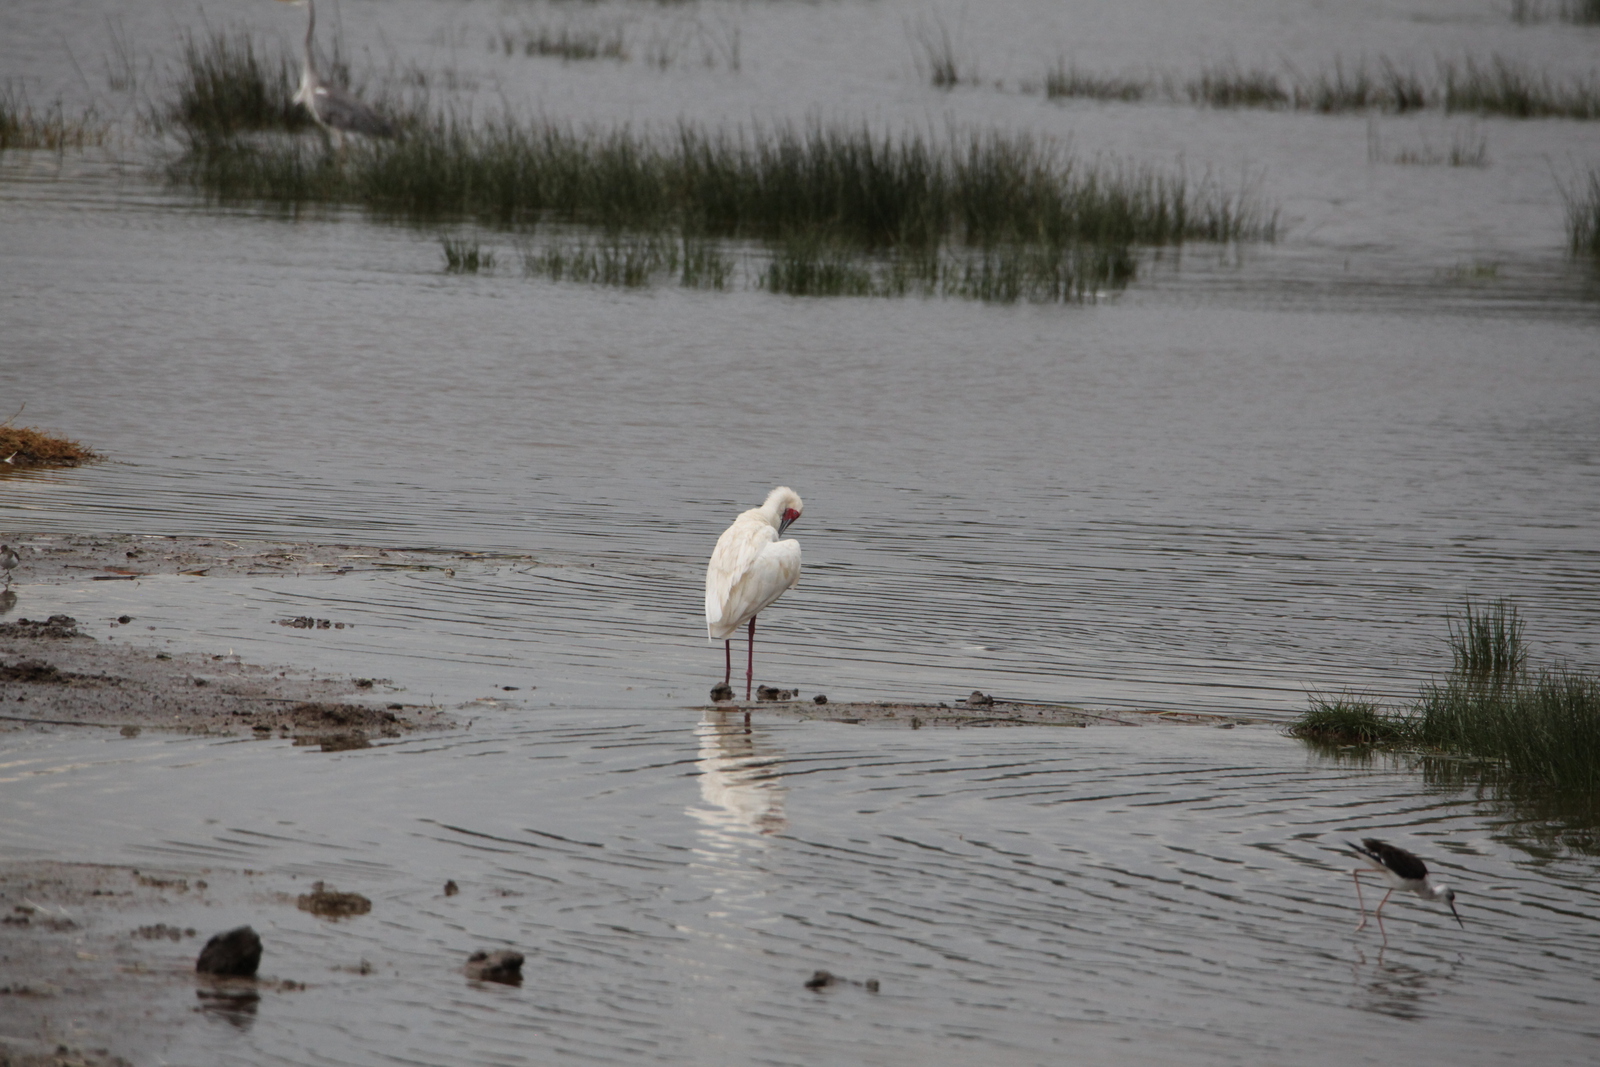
750	568
1402	870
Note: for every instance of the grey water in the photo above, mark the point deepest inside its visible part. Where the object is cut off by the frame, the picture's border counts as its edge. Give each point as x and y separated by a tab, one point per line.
1259	471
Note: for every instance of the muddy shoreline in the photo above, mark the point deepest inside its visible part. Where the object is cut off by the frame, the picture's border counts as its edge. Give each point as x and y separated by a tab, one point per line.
52	676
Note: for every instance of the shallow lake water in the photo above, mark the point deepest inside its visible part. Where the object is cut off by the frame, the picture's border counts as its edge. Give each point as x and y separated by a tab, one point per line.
1258	471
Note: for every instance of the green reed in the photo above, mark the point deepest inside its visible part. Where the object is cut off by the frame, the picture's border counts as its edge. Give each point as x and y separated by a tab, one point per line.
1065	80
1229	85
1349	719
1486	643
631	261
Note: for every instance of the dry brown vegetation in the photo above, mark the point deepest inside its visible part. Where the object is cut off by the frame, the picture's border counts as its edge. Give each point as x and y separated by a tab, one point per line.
23	446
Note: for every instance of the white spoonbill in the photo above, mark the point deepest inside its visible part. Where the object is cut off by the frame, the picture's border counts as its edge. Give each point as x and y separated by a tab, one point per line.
750	568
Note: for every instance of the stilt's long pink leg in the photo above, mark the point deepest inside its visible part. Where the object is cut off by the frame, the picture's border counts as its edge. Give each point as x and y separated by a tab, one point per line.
1378	914
727	668
750	668
1356	877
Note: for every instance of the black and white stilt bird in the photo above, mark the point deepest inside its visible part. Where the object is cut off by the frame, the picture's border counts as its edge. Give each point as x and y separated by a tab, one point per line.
1402	870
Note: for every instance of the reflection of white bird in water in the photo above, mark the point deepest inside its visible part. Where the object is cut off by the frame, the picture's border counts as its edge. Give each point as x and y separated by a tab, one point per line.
334	109
750	568
8	562
1402	870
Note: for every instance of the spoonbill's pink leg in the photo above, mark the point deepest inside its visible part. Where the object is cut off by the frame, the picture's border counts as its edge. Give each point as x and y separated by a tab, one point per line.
750	668
727	669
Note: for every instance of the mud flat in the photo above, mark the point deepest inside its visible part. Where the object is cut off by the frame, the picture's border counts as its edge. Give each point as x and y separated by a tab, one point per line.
987	712
51	675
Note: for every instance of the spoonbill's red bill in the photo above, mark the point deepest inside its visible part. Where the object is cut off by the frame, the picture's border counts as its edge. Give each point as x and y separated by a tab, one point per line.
750	568
1402	870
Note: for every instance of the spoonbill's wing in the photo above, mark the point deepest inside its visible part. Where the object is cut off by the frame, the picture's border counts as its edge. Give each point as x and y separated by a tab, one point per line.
774	570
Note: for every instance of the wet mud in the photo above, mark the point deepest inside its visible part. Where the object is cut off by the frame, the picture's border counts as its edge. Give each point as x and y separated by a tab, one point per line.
53	675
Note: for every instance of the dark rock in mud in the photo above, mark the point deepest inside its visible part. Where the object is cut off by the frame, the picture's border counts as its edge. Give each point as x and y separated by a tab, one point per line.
332	904
721	691
451	889
503	966
55	626
978	699
772	692
234	954
820	698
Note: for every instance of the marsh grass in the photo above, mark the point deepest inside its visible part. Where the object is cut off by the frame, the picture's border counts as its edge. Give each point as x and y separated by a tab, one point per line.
1539	727
23	127
22	446
1349	719
227	85
1229	85
1500	86
1582	200
1469	147
465	256
565	42
1065	80
1486	643
848	185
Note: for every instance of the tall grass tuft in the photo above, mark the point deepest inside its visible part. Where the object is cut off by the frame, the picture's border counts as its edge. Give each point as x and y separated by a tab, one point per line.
1348	719
1486	644
937	56
227	86
1583	215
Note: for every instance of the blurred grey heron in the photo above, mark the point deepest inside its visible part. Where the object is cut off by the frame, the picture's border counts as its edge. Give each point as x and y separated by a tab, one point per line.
334	109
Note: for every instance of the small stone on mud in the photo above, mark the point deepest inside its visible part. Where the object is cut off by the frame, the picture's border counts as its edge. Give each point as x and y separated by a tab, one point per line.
451	889
820	698
772	692
130	731
235	954
721	691
978	699
124	619
332	904
821	980
503	966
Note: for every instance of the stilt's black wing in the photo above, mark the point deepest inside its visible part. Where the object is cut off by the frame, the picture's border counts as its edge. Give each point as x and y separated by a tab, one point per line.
1396	859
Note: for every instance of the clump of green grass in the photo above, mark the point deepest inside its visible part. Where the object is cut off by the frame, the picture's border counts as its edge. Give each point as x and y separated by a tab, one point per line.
1486	643
227	85
1063	80
22	127
1503	87
1583	216
1229	85
1538	726
1349	720
566	42
465	256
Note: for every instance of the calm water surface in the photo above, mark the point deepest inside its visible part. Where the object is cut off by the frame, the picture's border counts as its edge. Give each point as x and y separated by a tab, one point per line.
1256	472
